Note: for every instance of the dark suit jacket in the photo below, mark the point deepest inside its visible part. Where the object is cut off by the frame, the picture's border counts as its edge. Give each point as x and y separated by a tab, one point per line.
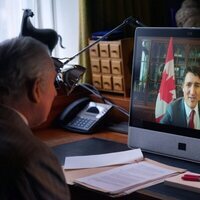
176	114
28	168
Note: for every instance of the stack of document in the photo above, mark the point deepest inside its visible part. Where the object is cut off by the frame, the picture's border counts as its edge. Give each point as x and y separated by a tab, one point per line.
116	174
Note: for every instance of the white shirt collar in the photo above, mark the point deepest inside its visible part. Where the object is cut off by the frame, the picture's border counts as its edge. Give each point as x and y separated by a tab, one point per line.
22	116
188	109
16	111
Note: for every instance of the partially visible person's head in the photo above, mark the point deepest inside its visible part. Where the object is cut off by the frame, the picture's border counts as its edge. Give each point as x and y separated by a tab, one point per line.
191	86
189	14
27	76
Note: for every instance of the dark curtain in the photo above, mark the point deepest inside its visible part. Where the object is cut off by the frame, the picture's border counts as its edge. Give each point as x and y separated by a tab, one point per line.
99	15
109	13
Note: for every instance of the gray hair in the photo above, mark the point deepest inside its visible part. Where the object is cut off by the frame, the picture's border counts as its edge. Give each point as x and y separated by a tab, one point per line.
22	60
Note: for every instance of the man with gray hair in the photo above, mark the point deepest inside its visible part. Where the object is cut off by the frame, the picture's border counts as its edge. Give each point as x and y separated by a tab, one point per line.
28	168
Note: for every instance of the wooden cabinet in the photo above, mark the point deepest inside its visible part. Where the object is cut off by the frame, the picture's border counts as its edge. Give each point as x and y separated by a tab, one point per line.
111	63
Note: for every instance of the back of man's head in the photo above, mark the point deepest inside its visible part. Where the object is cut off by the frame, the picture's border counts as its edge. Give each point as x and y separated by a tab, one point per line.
22	60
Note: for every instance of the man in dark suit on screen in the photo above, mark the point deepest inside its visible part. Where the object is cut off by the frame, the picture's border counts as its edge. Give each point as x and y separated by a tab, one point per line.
185	111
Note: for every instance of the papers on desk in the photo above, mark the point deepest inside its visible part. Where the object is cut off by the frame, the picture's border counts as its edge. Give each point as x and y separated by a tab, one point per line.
125	177
102	160
115	179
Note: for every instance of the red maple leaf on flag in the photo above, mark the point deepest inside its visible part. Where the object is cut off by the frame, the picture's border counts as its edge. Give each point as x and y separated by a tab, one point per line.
167	85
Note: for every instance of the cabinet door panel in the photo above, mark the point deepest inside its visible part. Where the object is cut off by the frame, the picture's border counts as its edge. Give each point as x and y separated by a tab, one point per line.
96	80
104	50
105	66
115	50
94	50
116	66
95	65
107	82
118	83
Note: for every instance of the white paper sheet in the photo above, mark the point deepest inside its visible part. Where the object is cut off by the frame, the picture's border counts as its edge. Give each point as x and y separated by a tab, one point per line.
126	177
123	157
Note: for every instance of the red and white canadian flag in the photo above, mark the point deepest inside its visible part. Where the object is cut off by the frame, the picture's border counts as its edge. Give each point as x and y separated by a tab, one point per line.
167	91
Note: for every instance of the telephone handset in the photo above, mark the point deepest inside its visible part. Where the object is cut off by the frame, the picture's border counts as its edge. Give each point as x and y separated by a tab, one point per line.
84	115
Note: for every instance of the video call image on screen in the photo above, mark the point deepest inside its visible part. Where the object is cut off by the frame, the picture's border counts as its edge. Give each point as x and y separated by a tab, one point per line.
159	65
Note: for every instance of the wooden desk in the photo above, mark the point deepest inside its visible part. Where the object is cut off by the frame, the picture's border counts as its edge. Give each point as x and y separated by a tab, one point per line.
56	136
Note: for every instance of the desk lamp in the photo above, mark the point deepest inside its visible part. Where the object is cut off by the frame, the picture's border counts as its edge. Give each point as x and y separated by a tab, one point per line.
70	75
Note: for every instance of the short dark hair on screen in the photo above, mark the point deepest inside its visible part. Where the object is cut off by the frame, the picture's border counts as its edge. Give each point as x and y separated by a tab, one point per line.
194	69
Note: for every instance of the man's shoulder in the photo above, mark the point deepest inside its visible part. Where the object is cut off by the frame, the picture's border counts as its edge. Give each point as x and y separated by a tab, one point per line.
177	102
177	106
18	139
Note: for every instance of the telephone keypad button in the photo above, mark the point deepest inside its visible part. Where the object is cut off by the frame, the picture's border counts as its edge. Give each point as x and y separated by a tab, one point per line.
83	123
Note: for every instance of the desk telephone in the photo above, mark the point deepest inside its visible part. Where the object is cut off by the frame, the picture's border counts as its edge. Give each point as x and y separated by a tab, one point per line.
84	115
